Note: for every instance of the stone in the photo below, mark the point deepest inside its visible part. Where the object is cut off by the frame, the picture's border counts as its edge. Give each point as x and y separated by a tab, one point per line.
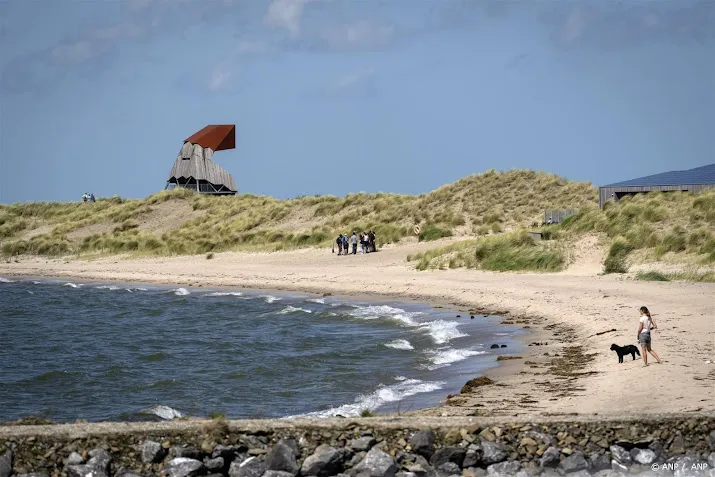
448	454
600	462
422	443
127	473
494	346
523	473
215	465
184	467
251	467
100	460
607	473
528	441
227	453
32	474
422	468
492	453
448	468
621	455
84	470
376	464
504	469
152	452
281	457
574	463
711	460
324	462
616	466
362	444
643	456
277	473
580	473
74	459
472	457
6	464
292	444
678	445
551	457
689	467
191	453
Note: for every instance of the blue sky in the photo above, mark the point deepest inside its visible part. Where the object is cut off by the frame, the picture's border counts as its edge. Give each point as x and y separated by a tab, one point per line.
338	96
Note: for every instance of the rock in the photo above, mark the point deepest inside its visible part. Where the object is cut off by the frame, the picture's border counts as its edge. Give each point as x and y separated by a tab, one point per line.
227	453
422	443
84	470
291	443
643	456
448	468
600	462
324	462
492	453
152	452
607	473
523	473
6	464
528	441
688	467
184	467
282	458
448	454
376	464
574	463
277	473
251	467
100	460
504	469
127	473
472	458
503	346
581	473
551	457
711	460
617	467
191	453
677	446
73	459
422	468
215	465
32	474
621	455
494	346
362	444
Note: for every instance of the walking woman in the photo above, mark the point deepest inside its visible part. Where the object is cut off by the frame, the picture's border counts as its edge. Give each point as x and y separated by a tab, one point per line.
646	324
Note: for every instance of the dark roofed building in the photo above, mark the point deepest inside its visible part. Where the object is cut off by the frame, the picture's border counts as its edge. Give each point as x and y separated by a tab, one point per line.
693	180
194	167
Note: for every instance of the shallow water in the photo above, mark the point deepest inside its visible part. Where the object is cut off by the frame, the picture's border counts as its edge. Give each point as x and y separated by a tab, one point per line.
111	352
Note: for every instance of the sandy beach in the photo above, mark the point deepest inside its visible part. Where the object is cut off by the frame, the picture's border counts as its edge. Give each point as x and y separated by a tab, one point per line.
570	315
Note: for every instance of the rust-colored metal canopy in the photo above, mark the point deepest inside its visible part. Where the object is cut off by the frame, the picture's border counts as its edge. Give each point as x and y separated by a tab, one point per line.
216	136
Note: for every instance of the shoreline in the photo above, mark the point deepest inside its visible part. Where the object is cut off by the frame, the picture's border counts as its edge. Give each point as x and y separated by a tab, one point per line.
499	369
578	314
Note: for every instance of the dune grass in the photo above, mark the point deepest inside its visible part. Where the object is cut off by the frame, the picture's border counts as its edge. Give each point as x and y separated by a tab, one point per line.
515	251
655	276
657	223
488	202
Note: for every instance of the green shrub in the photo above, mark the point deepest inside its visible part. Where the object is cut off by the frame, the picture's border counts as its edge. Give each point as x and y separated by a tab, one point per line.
617	254
517	251
432	232
652	276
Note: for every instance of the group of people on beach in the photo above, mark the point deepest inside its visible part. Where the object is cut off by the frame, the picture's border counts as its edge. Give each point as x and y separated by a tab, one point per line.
88	197
366	240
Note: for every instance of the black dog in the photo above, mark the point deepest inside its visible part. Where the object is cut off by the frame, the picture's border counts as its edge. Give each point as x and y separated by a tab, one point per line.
624	350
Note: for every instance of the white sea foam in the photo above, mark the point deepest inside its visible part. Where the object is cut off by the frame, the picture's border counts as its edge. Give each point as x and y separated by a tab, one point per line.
502	334
34	283
164	412
6	280
316	300
72	285
107	287
292	309
442	331
181	292
270	298
374	312
381	396
442	358
399	344
224	294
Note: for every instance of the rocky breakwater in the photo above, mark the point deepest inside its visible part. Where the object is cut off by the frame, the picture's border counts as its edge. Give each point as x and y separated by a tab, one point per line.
369	448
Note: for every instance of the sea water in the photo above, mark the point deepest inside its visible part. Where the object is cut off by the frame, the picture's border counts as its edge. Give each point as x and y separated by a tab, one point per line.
78	350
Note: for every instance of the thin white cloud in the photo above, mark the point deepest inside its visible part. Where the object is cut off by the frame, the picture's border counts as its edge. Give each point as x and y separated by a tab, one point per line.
223	76
353	79
359	35
285	14
74	53
220	77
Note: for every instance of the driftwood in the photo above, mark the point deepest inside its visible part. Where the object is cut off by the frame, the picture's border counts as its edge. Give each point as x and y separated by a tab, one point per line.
604	332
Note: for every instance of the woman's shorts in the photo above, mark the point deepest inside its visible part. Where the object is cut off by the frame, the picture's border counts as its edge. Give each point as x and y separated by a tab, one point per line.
644	338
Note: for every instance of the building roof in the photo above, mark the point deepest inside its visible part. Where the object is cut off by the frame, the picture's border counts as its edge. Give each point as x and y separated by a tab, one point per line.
699	175
218	137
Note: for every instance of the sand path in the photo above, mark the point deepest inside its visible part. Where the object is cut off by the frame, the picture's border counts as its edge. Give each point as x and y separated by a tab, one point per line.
574	373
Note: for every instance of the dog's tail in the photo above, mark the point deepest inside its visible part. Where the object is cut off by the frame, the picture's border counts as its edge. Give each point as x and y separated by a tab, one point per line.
638	352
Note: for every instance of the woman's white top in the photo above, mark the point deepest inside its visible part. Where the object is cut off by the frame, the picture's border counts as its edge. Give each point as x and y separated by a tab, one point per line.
646	324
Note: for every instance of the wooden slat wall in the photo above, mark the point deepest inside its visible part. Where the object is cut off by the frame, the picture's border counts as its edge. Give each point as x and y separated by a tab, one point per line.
608	193
200	166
